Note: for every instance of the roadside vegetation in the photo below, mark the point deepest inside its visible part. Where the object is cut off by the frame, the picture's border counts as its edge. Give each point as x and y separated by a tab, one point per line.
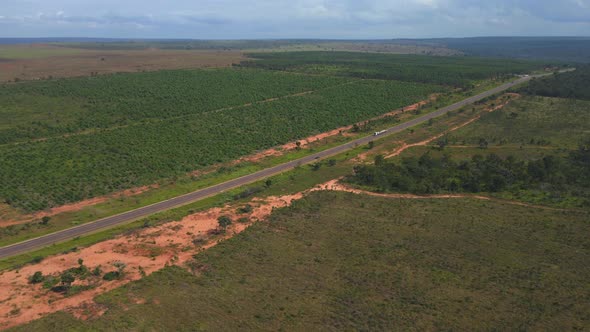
341	261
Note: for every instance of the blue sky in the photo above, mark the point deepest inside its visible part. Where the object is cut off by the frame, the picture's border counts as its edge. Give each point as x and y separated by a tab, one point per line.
231	19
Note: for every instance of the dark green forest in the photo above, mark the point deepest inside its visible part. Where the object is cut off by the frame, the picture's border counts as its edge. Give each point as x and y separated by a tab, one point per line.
490	173
453	71
573	84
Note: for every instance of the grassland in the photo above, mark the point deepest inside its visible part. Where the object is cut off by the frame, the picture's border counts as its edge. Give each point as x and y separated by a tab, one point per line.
533	122
411	265
455	71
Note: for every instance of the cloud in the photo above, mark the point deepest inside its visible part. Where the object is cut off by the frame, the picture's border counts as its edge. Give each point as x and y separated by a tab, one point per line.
294	18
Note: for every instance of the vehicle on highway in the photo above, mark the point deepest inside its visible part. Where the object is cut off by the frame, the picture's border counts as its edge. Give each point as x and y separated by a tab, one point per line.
377	133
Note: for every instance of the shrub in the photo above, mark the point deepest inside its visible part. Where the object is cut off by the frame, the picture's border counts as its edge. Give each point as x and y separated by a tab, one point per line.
36	278
224	222
112	275
245	209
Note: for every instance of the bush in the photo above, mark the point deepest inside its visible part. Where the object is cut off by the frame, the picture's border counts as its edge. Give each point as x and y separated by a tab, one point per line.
36	278
45	220
224	221
50	282
245	209
97	271
112	275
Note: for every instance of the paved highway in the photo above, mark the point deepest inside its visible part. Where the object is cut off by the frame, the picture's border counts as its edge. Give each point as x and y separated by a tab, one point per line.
125	217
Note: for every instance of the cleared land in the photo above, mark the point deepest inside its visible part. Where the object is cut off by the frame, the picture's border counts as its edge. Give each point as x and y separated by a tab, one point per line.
384	46
411	265
35	62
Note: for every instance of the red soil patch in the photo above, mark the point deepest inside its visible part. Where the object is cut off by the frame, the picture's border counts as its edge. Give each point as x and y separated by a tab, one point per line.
143	252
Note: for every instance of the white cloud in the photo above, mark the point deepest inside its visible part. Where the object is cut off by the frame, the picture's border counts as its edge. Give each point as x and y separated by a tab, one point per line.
294	18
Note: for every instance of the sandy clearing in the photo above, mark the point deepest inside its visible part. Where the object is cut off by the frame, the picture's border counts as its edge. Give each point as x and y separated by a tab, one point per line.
143	252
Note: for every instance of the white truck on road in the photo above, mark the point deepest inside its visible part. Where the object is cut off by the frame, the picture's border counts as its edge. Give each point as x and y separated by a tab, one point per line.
377	133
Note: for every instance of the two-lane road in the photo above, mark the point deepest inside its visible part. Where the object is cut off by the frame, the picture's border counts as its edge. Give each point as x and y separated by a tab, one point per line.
125	217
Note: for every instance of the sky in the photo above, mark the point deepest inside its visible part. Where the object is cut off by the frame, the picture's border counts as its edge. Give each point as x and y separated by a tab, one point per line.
262	19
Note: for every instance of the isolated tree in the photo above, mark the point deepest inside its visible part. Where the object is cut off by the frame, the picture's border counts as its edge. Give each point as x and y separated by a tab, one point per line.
483	143
379	160
298	144
268	183
371	145
45	220
36	278
67	279
442	142
224	222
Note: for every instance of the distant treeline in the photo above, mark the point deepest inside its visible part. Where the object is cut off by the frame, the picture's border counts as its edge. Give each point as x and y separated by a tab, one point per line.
452	71
561	49
574	84
428	175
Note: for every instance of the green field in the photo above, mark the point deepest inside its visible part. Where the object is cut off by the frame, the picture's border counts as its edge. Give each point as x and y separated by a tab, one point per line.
338	261
65	106
454	71
46	173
